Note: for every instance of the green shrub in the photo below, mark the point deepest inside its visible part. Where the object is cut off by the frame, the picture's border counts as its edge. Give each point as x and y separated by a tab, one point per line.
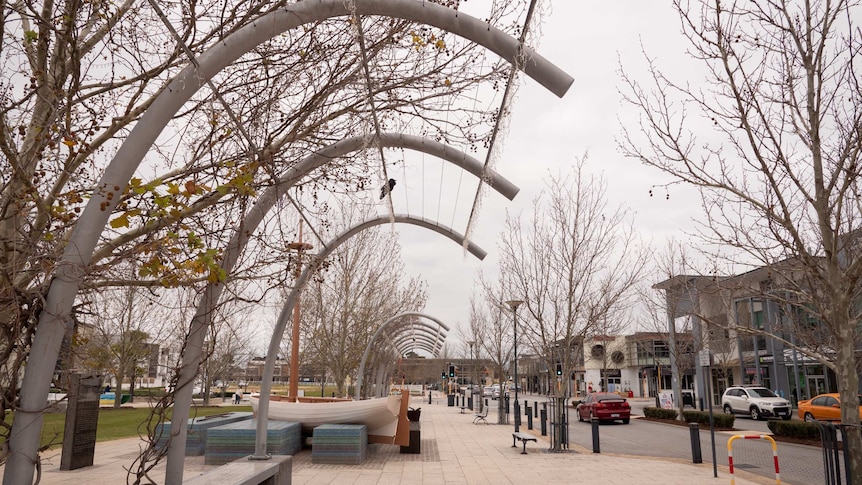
795	429
702	417
659	413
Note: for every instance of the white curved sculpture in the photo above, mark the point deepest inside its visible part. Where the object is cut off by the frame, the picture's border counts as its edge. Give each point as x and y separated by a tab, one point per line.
71	268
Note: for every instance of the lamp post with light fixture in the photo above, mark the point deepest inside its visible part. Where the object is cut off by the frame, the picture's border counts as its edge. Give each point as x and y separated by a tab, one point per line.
514	304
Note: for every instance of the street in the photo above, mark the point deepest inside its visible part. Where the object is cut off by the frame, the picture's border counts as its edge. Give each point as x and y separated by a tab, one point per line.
798	464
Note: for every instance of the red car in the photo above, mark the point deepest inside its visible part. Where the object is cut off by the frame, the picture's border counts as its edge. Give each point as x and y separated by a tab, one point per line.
605	406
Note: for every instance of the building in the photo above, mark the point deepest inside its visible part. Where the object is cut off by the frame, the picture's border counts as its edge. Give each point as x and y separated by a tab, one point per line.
750	331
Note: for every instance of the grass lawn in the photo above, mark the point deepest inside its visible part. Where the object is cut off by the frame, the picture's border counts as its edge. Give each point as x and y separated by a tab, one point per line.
116	423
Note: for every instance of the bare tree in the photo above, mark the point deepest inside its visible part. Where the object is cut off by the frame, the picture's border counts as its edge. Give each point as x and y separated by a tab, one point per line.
491	329
362	287
77	77
575	264
121	327
779	174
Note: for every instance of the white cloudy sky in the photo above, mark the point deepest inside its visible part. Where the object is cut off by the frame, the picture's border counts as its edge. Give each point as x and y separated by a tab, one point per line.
588	40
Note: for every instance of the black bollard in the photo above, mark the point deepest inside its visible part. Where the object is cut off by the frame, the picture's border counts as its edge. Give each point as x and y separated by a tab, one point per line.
535	409
694	431
544	421
516	410
429	397
529	419
595	423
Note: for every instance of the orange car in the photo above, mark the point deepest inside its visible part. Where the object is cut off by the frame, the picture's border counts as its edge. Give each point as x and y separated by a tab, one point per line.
824	407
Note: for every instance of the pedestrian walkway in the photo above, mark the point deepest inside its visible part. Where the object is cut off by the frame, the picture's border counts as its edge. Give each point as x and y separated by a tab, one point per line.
453	451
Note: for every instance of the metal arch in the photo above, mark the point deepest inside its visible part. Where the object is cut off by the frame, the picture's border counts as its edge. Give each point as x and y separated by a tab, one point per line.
284	316
406	344
71	268
415	332
374	337
238	241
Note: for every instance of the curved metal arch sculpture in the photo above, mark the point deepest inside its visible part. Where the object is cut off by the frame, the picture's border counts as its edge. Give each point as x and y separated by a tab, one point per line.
417	331
406	343
383	326
284	316
71	268
239	239
412	325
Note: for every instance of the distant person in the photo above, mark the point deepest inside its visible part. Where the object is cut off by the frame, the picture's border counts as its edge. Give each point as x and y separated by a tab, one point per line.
236	397
108	388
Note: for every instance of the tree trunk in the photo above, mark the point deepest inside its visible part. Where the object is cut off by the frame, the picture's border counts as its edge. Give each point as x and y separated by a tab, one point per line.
118	390
132	388
848	387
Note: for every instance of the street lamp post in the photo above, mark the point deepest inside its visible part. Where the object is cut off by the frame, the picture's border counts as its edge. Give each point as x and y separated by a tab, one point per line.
472	374
514	304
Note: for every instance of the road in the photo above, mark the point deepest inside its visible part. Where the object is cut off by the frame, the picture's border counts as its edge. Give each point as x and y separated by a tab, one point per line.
799	464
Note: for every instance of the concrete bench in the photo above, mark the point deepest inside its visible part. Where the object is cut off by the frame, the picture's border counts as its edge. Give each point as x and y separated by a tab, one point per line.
196	432
275	471
523	438
339	444
232	441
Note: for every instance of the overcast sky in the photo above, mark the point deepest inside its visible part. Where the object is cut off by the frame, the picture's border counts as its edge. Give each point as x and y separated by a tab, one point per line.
588	40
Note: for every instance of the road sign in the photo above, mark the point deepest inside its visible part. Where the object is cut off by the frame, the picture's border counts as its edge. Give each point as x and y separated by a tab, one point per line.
705	358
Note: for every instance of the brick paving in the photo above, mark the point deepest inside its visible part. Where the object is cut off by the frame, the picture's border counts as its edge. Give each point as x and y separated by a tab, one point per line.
453	451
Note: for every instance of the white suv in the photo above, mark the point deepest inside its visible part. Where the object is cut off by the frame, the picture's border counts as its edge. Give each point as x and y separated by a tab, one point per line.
758	402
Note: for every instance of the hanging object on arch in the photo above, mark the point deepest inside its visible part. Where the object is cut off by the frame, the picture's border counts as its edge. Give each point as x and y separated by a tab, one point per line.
387	188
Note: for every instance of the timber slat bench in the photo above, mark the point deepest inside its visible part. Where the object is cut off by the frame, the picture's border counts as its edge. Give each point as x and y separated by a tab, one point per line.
523	438
275	471
481	417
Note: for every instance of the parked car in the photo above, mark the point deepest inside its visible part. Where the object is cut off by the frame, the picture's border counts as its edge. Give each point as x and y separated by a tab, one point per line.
757	402
605	406
824	407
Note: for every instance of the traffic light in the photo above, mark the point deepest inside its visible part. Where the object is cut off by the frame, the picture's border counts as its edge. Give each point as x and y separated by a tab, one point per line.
559	369
443	375
451	371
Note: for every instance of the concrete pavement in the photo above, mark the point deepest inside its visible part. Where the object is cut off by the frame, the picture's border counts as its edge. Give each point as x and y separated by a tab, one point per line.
453	451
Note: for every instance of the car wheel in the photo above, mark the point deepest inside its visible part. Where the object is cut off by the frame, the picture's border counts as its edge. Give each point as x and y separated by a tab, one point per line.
727	409
580	417
809	418
755	413
626	421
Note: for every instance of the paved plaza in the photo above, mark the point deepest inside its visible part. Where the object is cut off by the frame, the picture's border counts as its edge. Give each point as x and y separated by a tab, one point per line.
453	451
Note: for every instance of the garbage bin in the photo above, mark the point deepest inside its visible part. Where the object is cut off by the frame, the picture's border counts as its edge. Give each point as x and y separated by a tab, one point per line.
450	400
415	432
687	397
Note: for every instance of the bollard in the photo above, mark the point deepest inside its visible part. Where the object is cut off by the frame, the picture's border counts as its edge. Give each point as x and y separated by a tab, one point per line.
544	421
535	409
516	410
429	397
694	432
529	419
595	423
